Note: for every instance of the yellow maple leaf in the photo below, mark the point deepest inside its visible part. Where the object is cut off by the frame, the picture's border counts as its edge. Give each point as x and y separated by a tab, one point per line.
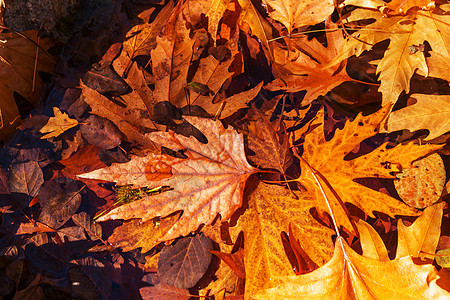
403	57
325	159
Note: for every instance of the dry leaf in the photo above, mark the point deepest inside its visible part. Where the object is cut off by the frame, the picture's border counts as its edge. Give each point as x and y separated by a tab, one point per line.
337	175
58	124
209	181
399	63
293	14
271	210
422	185
349	275
421	238
431	112
17	70
303	68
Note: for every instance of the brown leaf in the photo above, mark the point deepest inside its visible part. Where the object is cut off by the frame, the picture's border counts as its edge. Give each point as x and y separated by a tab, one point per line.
17	65
183	263
162	291
209	181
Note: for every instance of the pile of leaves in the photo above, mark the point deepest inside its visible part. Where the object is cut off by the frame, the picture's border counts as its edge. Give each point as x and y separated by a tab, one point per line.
232	150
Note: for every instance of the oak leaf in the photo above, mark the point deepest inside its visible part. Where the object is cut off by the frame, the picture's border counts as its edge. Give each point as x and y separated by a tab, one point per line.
209	181
293	14
325	159
431	112
402	59
58	124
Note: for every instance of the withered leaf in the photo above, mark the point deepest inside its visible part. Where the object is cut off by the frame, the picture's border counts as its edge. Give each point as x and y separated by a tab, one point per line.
184	263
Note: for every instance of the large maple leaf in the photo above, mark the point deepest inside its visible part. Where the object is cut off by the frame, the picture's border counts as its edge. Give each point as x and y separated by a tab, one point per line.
372	275
401	60
209	181
324	161
349	275
270	210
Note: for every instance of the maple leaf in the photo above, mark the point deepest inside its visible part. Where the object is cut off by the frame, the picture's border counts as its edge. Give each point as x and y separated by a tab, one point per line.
58	124
209	181
271	210
293	14
401	60
403	6
430	112
18	65
301	71
326	159
349	275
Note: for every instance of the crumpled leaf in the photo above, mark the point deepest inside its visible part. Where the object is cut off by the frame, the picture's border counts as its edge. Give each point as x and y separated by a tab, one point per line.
183	263
422	185
58	124
337	175
349	275
431	112
209	181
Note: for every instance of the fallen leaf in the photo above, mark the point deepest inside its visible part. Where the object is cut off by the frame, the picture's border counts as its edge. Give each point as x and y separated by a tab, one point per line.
293	14
443	258
183	263
18	65
26	178
351	276
209	181
303	68
326	158
58	124
371	243
422	185
421	238
270	210
430	112
398	63
162	291
235	261
403	6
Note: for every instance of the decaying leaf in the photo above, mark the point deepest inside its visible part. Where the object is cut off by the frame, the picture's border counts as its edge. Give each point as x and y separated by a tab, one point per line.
184	263
422	185
209	181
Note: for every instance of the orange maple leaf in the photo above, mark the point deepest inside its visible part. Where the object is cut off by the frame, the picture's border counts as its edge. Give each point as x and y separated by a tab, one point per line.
209	181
